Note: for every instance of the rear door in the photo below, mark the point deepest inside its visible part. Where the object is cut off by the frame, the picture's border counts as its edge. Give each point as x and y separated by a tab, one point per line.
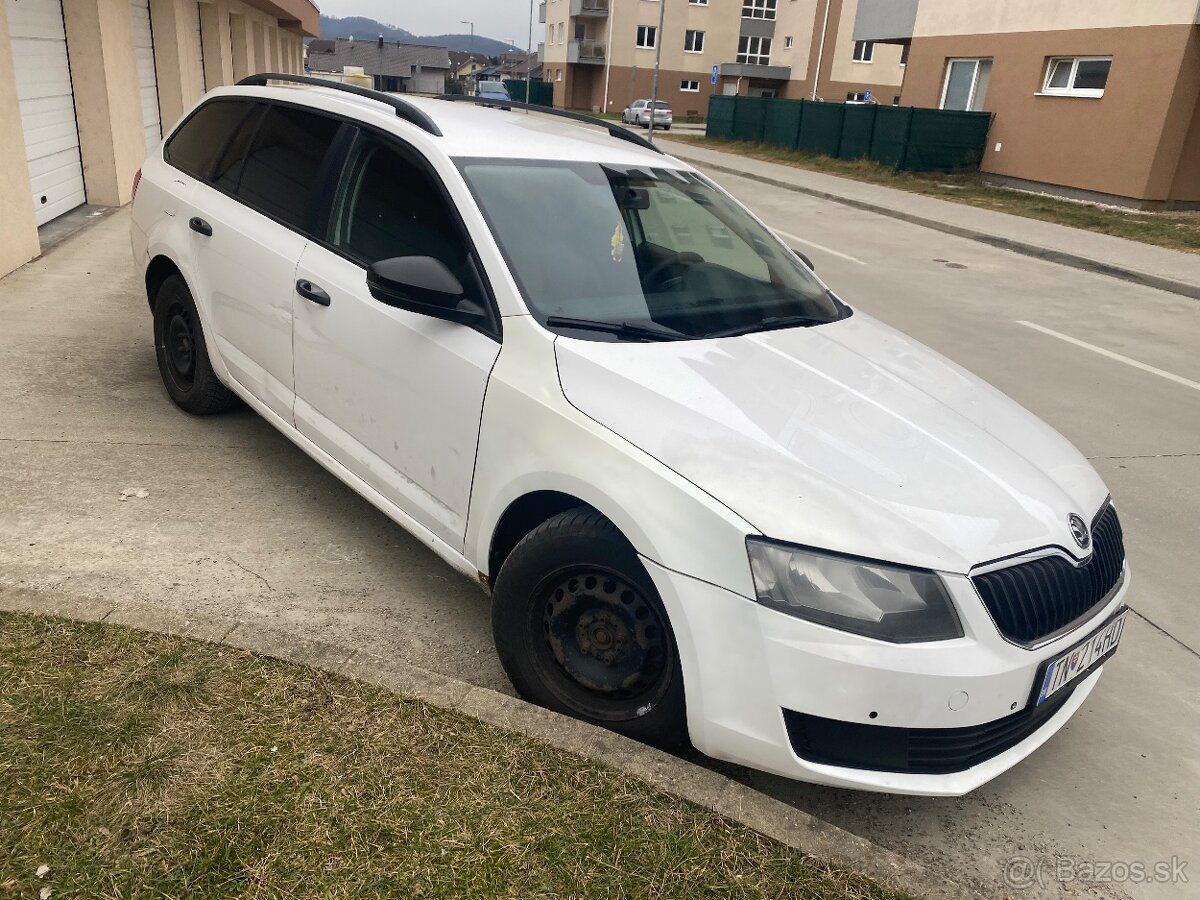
395	396
249	217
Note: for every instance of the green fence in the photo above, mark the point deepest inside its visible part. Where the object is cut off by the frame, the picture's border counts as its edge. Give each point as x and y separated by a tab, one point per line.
906	137
542	93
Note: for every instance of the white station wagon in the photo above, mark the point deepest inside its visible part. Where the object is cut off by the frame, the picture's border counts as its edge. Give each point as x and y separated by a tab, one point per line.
712	502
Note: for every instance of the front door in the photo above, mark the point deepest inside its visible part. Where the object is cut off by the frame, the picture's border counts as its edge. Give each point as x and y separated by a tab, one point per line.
394	396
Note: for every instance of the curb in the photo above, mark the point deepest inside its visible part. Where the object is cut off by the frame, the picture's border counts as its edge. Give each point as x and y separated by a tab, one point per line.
667	773
1062	257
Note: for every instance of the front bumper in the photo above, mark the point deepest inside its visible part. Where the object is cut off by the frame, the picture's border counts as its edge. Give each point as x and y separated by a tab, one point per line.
745	665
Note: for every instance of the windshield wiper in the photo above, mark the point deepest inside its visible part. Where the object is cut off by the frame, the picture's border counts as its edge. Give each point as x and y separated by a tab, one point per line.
621	329
771	323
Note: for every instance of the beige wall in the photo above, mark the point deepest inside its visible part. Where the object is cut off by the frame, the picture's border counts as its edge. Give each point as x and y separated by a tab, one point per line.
945	17
1128	143
884	69
108	106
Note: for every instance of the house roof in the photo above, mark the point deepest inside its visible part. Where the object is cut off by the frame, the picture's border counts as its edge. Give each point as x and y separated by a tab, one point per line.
394	59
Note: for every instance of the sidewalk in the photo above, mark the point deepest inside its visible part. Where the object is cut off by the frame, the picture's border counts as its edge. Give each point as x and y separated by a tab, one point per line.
1168	270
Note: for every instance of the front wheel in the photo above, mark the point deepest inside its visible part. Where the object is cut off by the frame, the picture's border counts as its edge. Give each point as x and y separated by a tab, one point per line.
580	629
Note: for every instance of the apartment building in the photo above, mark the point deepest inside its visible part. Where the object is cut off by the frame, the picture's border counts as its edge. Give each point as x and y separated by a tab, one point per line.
87	87
1098	99
600	54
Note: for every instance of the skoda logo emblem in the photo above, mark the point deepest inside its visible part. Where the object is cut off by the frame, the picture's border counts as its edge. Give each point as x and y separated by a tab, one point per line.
1079	531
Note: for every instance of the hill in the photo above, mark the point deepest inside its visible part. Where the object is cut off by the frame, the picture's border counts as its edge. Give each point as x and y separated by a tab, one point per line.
364	29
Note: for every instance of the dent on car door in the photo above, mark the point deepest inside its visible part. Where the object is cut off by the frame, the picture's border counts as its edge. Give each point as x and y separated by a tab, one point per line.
394	395
253	215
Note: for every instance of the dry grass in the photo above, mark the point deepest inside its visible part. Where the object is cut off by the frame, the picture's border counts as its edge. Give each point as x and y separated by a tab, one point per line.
136	764
1176	231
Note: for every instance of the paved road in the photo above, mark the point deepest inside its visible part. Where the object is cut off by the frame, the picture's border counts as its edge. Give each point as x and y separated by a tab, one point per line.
237	519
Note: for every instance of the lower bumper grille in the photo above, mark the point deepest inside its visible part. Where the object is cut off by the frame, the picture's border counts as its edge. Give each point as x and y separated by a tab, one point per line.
917	751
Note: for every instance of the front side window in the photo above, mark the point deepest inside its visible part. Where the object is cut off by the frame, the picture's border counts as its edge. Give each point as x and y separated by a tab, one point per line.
388	207
194	147
754	51
864	51
282	164
693	41
654	248
647	36
1077	76
758	9
966	84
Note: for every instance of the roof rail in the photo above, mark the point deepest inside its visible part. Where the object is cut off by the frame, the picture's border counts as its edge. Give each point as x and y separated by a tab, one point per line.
616	131
403	108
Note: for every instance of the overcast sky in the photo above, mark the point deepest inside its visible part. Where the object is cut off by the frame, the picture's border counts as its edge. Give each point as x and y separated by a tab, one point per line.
500	19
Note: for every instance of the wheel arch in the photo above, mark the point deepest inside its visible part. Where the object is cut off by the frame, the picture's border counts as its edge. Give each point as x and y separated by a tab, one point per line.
522	516
161	268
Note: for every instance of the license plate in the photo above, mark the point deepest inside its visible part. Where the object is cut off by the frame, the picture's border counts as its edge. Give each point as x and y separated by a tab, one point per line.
1082	657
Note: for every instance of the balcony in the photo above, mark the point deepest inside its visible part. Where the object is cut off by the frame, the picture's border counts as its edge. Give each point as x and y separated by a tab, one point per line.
591	52
589	7
747	70
885	21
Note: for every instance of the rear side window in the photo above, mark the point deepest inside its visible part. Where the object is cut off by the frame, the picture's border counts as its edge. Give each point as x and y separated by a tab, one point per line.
194	147
283	163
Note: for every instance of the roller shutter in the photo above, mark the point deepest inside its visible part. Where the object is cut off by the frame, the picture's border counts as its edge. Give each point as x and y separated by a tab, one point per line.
47	104
143	50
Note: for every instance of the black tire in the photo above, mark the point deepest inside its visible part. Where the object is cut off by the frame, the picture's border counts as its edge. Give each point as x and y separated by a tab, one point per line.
182	353
580	629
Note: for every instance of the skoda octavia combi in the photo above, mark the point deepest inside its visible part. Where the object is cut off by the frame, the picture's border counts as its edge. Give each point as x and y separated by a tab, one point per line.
712	501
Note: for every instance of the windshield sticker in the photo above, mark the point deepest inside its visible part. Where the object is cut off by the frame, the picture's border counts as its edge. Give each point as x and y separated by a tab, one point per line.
618	243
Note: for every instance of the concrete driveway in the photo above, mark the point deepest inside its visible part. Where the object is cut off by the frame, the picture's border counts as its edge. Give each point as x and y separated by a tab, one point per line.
236	519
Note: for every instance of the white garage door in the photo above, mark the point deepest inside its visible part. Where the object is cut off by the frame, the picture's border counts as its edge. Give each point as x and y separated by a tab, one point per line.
143	50
198	48
43	76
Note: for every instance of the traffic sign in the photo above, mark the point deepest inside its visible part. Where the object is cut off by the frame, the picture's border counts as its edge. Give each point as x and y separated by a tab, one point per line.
716	73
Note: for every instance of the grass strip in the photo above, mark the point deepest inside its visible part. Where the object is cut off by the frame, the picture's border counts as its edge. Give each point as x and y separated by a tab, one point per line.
140	764
1174	230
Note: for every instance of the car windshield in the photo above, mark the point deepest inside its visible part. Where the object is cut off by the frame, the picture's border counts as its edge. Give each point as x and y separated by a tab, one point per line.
619	253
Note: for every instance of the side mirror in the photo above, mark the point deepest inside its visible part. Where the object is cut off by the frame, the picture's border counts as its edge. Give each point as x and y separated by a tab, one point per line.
804	258
424	285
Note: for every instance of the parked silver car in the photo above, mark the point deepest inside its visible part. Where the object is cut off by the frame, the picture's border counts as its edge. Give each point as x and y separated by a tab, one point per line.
638	113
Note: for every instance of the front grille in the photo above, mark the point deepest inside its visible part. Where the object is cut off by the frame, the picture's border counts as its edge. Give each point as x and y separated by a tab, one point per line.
1035	599
918	751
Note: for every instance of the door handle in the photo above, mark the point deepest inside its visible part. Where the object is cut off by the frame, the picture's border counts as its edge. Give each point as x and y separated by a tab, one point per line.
199	226
310	291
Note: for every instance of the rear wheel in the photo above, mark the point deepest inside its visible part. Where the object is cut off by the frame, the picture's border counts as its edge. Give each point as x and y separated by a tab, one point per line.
183	362
580	629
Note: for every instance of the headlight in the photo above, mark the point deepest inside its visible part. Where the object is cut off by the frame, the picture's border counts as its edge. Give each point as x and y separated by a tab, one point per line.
891	603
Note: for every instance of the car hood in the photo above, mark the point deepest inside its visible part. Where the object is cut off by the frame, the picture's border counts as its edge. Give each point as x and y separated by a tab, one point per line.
848	436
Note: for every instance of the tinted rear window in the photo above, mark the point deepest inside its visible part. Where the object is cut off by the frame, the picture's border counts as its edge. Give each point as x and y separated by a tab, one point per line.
281	168
195	146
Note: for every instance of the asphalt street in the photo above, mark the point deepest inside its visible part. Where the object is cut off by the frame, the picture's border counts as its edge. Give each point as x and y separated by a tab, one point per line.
234	518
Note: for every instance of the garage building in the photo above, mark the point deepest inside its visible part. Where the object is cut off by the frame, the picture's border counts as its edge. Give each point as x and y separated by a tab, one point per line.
88	86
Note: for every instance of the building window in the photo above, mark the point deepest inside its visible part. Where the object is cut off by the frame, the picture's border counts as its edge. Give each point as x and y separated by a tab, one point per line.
693	41
1077	76
904	48
698	2
966	84
864	51
754	51
690	87
787	42
647	37
758	9
858	96
558	75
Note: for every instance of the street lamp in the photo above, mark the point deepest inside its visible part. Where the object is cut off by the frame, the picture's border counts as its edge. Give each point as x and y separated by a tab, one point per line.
658	42
472	24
